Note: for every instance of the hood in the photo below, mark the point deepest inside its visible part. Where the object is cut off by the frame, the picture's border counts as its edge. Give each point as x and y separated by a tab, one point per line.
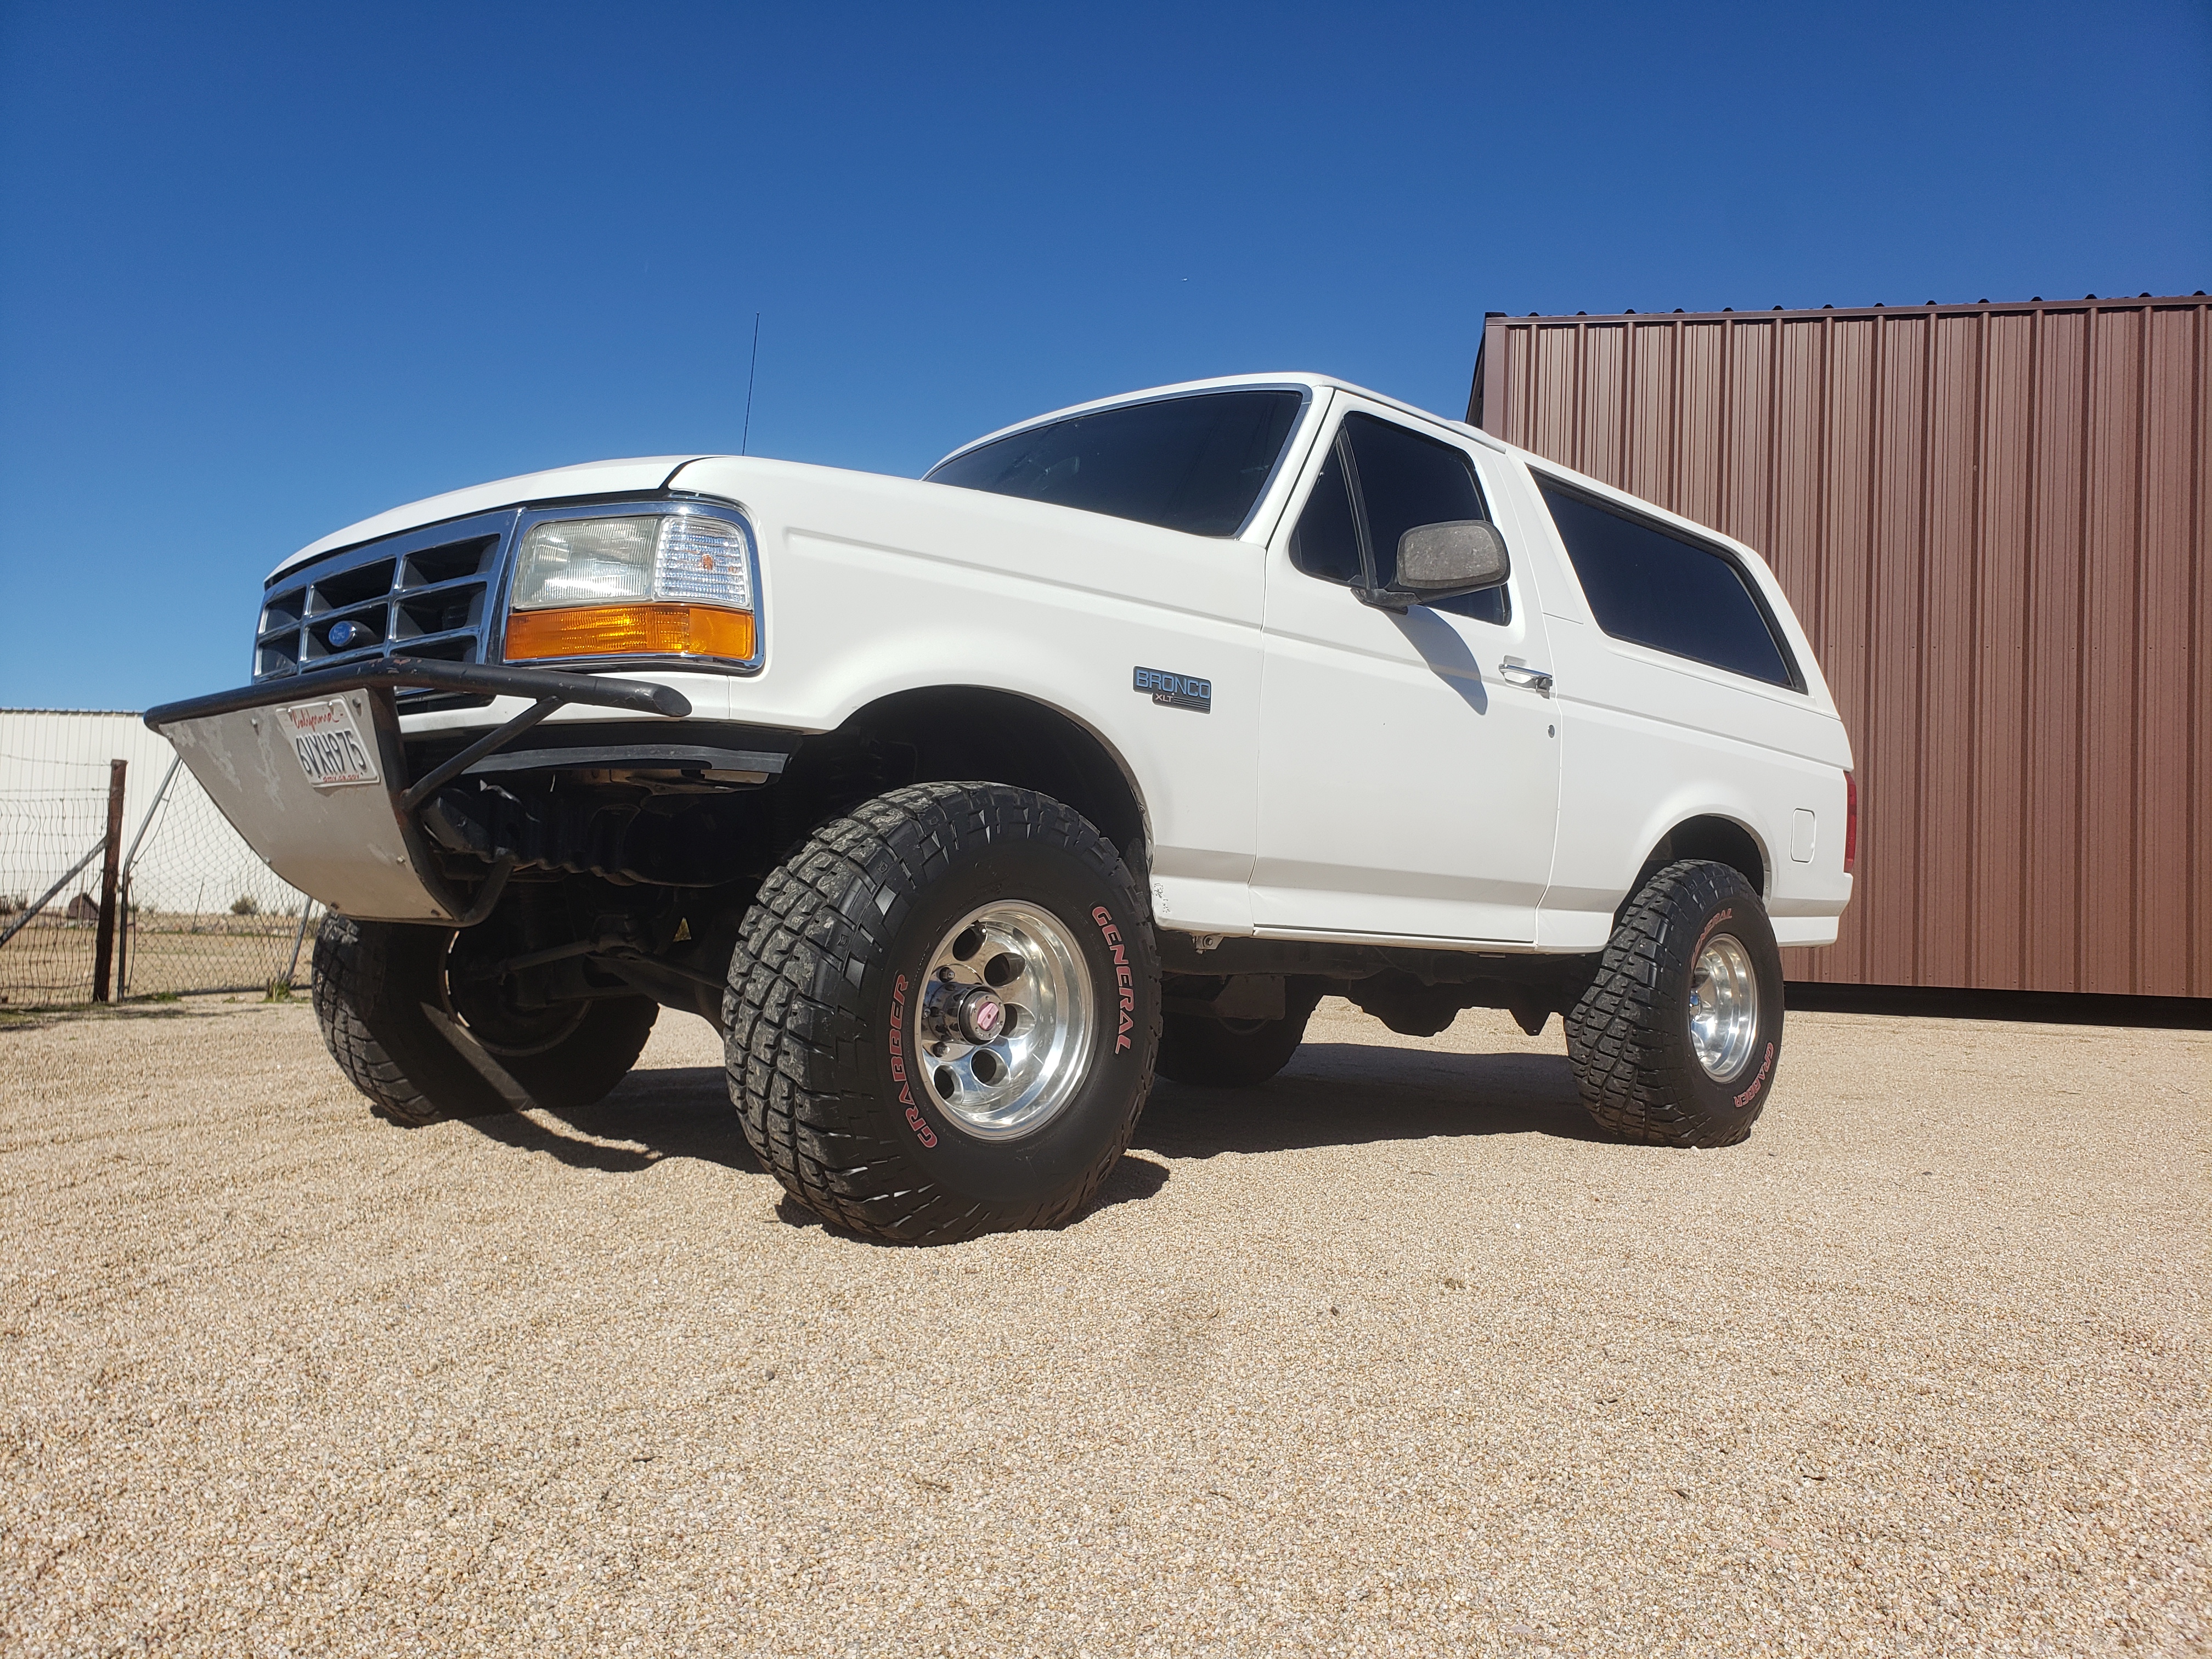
591	478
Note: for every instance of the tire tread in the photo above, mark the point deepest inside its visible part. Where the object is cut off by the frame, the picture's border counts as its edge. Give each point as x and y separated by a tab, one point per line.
350	982
1629	1063
799	1045
371	983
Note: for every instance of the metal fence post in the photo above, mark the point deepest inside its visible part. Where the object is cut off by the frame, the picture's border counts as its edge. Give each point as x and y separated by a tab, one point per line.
292	974
146	822
131	858
103	955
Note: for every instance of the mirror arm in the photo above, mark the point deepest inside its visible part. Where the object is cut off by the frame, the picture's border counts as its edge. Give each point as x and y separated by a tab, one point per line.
1381	598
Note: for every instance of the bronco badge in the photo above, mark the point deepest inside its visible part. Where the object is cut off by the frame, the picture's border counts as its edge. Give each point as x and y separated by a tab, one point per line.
1176	691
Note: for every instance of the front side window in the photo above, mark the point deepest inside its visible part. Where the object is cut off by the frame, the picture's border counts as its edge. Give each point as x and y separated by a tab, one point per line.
1195	463
1326	543
1378	481
1653	586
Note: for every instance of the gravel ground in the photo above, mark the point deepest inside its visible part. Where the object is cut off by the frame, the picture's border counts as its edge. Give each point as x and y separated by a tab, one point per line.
1392	1355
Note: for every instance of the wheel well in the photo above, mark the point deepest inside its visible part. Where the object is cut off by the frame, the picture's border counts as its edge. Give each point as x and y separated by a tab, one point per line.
1722	840
956	733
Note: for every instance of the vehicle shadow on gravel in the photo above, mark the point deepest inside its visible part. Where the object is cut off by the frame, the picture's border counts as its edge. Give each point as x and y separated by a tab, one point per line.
1351	1094
1131	1180
1334	1094
683	1111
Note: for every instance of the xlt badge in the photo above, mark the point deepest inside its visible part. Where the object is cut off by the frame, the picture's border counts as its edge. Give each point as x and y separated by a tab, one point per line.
1176	691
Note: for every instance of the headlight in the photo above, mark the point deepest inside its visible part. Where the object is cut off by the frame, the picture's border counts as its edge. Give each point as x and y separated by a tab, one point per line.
643	585
584	561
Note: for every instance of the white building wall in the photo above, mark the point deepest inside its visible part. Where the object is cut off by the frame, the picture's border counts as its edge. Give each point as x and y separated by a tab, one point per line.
53	806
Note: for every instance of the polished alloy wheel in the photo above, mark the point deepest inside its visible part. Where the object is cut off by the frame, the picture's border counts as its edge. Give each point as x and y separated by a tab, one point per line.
1724	1007
1006	1022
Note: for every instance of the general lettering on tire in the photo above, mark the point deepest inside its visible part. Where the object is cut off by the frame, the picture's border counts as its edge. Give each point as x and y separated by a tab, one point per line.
1124	985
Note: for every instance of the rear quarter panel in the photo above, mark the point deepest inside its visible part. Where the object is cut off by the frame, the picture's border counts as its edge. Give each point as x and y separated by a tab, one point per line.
1651	740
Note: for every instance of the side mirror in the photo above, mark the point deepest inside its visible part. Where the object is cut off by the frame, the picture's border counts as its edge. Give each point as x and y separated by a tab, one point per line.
1442	560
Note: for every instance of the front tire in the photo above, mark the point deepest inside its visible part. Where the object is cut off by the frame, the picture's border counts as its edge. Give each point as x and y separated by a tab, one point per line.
1674	1042
385	1001
942	1015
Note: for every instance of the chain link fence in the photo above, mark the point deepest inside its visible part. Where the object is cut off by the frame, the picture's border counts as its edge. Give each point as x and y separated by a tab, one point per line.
48	836
195	908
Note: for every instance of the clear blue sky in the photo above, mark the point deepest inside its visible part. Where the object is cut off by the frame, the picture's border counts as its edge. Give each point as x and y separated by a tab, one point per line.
267	270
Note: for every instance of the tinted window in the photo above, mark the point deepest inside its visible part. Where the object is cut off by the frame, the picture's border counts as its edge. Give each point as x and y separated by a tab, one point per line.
1191	464
1651	586
1326	543
1407	480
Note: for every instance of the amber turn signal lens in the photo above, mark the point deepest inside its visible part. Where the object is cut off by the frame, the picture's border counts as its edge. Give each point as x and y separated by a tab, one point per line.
629	631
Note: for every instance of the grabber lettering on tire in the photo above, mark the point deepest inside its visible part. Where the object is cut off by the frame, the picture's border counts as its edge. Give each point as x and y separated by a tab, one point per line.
915	1120
1676	1039
942	1014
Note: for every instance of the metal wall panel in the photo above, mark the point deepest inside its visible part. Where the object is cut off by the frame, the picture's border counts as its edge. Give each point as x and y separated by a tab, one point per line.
1992	520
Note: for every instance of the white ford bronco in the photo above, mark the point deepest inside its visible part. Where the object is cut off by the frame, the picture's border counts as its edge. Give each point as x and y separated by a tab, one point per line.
959	806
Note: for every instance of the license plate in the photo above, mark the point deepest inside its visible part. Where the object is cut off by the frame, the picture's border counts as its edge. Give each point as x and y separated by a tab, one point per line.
329	744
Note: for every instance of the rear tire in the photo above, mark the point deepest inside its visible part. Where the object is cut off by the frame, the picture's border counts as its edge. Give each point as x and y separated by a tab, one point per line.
1675	1041
858	1082
389	1019
1235	1053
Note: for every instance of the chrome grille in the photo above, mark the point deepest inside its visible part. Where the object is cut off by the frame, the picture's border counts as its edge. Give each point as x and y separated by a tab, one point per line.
428	593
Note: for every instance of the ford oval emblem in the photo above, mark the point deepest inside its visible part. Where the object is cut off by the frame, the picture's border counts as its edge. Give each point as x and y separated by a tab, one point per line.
345	635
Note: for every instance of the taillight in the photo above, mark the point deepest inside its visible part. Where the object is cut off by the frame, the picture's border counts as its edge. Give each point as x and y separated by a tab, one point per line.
1851	822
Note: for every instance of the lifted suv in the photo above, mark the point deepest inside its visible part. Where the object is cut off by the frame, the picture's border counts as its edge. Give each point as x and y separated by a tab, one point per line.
960	804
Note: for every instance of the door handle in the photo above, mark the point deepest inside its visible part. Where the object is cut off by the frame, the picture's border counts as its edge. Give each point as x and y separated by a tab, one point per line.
1518	673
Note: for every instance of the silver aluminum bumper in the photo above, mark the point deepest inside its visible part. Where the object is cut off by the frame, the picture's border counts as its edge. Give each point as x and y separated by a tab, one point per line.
358	848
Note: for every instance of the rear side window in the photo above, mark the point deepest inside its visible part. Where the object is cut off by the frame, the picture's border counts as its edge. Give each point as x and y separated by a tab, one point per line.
1652	587
1194	464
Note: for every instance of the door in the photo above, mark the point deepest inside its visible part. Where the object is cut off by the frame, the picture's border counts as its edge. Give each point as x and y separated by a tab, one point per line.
1408	785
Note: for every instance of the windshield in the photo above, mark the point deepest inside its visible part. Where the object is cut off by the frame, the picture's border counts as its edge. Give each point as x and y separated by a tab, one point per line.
1195	463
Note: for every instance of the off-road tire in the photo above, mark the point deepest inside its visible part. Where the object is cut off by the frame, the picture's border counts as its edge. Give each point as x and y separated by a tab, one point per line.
1628	1036
380	997
820	1014
1235	1054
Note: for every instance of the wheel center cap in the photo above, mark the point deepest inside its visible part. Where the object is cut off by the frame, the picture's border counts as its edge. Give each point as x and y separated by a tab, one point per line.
980	1015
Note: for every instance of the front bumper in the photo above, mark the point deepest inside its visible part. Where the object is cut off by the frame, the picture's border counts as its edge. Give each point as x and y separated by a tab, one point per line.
359	846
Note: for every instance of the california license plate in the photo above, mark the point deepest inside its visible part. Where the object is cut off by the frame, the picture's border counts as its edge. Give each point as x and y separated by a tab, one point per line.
329	744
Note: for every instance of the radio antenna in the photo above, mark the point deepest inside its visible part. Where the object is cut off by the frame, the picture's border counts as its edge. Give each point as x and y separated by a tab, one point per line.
749	373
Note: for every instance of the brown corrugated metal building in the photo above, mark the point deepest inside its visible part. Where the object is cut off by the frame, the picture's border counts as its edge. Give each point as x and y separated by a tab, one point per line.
1992	521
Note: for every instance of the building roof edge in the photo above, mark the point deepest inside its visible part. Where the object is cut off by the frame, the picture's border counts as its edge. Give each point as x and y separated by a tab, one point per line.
2086	302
